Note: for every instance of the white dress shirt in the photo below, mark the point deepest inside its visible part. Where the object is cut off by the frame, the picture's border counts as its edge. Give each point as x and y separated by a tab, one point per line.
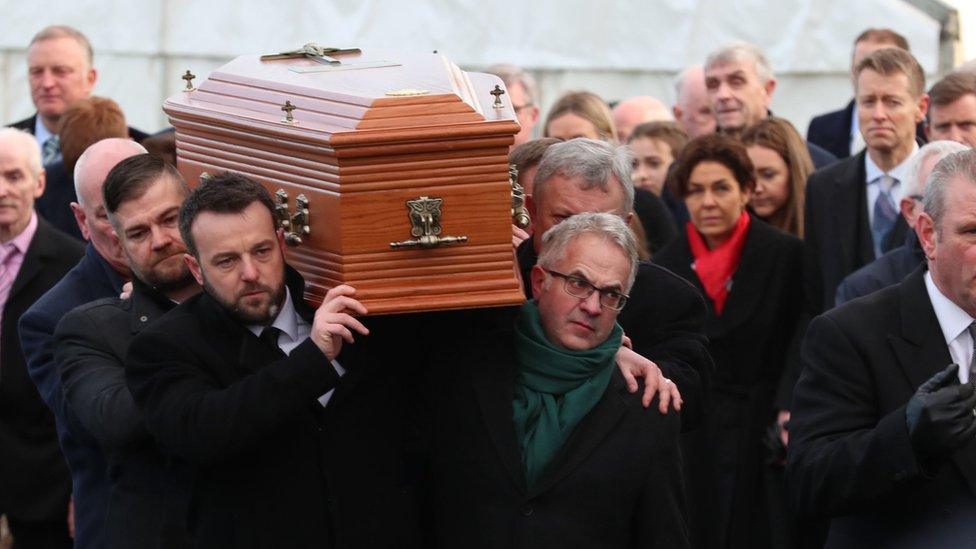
41	133
873	180
954	323
857	140
294	330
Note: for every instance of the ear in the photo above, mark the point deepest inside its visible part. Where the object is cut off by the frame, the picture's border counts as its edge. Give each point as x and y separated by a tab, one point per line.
92	76
629	217
194	266
907	207
676	111
41	184
530	205
770	87
925	229
80	219
923	108
538	276
534	114
280	233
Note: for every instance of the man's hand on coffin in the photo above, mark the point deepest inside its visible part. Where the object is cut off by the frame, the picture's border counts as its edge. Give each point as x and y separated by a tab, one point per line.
633	365
518	236
335	320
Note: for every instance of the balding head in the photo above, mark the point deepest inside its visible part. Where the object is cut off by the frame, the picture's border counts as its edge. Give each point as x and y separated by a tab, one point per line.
692	110
90	172
631	112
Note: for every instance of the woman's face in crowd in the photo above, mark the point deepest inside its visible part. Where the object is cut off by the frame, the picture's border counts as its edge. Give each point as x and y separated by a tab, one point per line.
715	200
652	157
570	126
772	181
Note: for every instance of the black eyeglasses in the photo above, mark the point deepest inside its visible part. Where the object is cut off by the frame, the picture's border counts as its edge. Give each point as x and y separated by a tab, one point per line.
582	288
917	197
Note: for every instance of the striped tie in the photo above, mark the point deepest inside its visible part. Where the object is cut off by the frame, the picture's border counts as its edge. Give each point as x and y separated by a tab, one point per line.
51	151
885	213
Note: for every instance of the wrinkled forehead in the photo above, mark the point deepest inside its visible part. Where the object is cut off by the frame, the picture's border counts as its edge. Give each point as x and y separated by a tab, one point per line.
220	232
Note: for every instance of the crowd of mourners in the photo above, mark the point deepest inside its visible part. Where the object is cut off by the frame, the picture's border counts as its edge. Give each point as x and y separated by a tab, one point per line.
734	336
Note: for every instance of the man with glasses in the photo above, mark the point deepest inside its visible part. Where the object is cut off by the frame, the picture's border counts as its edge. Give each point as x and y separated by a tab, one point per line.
665	315
894	266
536	440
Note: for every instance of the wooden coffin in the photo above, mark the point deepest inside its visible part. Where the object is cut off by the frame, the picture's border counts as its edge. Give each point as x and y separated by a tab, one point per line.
368	139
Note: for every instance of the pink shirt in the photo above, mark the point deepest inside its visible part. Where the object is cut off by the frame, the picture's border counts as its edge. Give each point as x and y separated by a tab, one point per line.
12	257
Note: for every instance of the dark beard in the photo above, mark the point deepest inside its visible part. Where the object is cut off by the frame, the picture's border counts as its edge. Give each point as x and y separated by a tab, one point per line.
246	318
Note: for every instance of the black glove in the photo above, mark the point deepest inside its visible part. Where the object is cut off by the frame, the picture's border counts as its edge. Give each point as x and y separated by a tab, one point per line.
940	415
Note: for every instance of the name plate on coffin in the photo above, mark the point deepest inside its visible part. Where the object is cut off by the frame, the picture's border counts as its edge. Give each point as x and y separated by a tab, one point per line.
390	175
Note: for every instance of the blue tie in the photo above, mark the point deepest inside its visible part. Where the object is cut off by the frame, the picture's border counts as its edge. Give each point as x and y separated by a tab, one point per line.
885	213
51	150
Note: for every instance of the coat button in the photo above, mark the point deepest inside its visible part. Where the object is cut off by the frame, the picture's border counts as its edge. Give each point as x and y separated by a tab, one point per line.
900	476
143	318
527	511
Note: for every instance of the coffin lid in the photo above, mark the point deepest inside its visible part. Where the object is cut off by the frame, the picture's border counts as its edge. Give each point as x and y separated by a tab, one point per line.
346	106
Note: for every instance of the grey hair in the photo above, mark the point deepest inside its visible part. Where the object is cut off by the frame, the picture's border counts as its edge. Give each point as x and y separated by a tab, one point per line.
742	51
679	82
611	228
595	162
31	146
913	169
961	164
64	31
511	74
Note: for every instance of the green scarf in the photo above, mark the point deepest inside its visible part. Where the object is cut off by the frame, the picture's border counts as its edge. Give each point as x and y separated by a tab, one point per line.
554	388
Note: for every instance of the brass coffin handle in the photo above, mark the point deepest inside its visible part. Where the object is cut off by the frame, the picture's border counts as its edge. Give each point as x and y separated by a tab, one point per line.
425	220
295	224
520	214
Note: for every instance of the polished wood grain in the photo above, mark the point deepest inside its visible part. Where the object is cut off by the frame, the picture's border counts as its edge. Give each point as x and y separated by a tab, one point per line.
359	155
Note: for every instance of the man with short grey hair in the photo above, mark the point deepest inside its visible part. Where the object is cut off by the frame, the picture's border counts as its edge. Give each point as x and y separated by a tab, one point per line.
740	85
883	433
540	419
60	72
34	482
894	266
691	109
665	315
523	94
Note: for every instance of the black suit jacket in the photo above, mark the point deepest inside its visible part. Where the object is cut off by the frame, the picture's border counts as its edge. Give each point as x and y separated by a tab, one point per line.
850	456
28	124
887	270
34	480
665	320
750	343
615	483
837	236
273	469
147	501
55	204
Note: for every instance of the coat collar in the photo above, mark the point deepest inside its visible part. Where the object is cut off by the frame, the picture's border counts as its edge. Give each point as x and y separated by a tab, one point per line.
146	305
493	378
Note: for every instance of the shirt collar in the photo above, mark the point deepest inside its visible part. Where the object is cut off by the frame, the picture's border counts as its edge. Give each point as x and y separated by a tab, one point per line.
898	172
952	319
23	240
41	133
286	321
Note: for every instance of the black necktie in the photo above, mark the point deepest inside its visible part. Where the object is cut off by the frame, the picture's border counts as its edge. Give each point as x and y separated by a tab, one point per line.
270	337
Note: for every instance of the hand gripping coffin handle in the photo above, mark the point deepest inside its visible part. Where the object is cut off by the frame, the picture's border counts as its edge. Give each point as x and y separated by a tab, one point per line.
295	224
425	220
520	214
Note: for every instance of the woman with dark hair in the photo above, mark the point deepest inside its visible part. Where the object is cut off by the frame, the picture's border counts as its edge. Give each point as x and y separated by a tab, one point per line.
750	275
782	165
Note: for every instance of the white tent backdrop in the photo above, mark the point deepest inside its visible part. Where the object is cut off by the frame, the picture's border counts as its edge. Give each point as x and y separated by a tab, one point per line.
616	49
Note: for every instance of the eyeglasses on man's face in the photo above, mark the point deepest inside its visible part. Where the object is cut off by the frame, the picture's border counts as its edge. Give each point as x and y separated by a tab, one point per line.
582	288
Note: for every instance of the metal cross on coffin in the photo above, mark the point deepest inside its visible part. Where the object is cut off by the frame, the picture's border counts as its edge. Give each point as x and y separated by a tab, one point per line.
313	51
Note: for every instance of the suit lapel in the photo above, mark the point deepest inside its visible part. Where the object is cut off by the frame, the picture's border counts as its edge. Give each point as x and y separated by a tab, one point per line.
590	432
38	253
848	206
920	347
493	379
921	352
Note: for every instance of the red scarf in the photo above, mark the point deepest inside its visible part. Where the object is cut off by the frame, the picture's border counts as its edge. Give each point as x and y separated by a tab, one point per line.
715	268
